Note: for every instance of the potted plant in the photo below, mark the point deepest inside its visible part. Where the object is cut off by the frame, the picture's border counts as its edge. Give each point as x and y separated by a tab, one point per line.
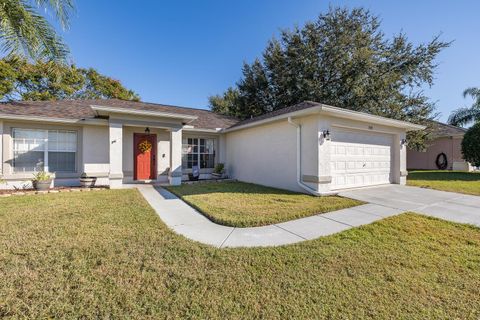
41	181
86	181
218	171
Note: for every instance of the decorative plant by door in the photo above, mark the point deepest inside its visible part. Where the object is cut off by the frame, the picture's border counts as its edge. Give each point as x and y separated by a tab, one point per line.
144	146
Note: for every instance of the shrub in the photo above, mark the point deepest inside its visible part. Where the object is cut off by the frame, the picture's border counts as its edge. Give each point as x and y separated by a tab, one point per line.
219	168
471	145
41	176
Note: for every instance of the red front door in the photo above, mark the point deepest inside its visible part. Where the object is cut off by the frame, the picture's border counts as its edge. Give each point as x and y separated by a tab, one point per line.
145	154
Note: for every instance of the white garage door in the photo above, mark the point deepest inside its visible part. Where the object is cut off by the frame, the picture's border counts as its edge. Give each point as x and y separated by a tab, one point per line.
360	159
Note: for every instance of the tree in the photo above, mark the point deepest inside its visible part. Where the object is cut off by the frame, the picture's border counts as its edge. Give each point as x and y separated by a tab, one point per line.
471	145
227	103
50	80
463	116
342	59
25	32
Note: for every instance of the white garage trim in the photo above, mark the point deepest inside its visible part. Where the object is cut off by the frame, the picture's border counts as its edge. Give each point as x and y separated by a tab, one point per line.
319	108
360	158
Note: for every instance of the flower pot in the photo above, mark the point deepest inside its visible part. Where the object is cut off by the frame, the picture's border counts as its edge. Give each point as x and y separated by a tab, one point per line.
43	185
88	182
217	175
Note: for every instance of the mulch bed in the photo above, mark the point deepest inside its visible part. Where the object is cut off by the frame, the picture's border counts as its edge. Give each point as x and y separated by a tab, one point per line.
21	192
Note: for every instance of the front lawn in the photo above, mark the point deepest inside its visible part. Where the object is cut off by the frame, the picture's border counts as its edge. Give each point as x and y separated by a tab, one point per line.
108	255
453	181
241	204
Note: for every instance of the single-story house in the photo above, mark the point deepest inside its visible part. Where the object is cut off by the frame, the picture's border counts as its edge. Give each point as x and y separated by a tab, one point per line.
309	147
443	148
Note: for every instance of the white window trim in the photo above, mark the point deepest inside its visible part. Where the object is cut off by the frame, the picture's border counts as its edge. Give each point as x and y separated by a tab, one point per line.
198	150
46	149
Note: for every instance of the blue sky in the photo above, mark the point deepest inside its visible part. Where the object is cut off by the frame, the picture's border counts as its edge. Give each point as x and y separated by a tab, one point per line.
180	52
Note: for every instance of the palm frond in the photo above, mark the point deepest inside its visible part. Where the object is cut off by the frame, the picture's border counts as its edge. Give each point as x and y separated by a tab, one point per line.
25	32
463	116
473	92
61	8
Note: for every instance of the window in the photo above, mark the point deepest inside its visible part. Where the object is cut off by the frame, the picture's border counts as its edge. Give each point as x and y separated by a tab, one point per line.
29	150
44	150
62	147
198	152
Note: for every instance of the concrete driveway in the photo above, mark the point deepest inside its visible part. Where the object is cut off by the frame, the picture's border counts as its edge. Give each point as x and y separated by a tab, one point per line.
440	204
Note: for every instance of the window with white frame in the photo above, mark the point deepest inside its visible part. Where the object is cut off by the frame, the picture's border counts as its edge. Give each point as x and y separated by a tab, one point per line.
44	150
198	152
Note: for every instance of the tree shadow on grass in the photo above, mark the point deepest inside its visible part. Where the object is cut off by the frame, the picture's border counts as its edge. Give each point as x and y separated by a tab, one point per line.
227	187
444	176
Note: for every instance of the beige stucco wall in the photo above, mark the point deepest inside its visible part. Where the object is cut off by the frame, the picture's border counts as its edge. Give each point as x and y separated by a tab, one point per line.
95	150
310	145
451	146
266	154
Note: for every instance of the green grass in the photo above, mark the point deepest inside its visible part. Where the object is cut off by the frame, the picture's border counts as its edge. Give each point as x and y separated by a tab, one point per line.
453	181
241	204
108	255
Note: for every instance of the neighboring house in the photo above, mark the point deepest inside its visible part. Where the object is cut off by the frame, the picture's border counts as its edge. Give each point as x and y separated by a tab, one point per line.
309	147
446	139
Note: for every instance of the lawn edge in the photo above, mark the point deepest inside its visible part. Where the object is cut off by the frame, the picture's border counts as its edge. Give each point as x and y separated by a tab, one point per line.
235	224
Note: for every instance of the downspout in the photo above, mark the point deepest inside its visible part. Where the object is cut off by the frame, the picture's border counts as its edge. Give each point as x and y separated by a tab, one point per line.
299	160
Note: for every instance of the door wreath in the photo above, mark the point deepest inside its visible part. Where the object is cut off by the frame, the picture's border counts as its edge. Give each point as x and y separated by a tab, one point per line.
144	146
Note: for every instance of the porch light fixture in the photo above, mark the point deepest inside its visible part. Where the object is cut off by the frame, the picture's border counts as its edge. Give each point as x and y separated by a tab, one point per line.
326	134
403	142
147	130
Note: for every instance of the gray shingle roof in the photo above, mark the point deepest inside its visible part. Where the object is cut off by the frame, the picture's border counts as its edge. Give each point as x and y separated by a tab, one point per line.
80	109
440	129
297	107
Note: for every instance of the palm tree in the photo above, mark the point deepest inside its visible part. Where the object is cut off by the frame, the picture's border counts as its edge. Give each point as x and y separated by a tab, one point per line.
466	115
25	32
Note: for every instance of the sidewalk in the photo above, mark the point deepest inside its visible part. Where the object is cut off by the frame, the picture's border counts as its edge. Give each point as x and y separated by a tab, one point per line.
185	220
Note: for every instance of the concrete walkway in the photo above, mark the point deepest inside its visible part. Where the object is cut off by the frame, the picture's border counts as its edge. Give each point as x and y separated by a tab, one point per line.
382	201
188	222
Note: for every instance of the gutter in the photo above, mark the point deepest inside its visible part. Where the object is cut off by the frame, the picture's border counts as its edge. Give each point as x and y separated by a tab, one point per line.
370	118
51	119
299	163
188	128
334	112
107	110
303	112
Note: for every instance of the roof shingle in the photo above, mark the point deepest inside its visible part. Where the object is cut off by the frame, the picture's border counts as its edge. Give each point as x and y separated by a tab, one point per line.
297	107
80	109
440	129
